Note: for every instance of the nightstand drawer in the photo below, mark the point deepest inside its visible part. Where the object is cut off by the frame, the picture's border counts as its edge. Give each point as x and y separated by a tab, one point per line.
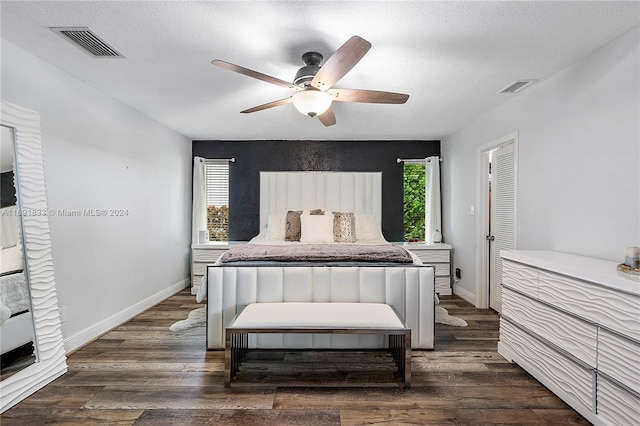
206	255
432	256
199	268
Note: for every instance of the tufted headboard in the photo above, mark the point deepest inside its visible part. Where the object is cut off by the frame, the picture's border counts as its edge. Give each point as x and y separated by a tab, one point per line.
358	192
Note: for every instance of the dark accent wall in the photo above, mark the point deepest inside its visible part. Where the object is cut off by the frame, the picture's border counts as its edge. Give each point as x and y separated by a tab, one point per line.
252	157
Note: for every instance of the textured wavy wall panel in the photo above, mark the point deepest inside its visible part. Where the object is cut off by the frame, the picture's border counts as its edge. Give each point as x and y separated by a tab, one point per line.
616	407
333	191
577	337
39	261
619	358
621	313
549	364
408	289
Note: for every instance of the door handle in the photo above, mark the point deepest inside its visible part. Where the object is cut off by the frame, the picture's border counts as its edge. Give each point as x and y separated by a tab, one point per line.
490	238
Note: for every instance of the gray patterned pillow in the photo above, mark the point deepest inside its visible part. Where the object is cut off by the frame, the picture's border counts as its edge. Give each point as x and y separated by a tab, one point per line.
344	227
294	228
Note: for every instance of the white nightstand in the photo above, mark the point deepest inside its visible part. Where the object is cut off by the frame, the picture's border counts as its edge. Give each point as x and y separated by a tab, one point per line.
438	255
203	255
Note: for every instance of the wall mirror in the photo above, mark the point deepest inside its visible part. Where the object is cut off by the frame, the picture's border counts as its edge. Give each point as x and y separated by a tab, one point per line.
31	254
17	349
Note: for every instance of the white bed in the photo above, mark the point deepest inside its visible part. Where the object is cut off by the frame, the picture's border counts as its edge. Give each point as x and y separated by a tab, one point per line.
16	320
407	287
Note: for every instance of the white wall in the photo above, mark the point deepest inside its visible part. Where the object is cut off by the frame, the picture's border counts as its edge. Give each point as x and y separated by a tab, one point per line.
578	162
101	154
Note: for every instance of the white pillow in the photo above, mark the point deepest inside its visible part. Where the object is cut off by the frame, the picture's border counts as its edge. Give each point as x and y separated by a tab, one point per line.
316	228
367	228
276	226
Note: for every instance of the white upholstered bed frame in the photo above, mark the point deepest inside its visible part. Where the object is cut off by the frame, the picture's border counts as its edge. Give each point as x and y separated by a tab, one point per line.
410	289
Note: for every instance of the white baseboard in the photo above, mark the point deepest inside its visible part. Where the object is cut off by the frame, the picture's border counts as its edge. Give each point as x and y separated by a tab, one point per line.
91	333
465	294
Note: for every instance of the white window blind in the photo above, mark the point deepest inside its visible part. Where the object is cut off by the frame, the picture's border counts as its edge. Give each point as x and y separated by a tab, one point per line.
217	182
218	199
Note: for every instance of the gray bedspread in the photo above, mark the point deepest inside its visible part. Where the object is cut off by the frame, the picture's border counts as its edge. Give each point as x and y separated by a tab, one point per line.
317	253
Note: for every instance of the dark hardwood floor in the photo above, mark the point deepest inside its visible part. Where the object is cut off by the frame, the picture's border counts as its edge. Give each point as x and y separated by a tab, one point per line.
142	373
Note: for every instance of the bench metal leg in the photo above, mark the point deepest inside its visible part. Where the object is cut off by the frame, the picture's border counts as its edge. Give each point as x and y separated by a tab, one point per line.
400	348
237	346
407	358
227	358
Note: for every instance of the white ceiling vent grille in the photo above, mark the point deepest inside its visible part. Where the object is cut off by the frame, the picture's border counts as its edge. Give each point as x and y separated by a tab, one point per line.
84	38
517	86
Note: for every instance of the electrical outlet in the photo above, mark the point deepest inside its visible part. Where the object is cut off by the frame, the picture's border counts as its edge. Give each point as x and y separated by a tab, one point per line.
458	273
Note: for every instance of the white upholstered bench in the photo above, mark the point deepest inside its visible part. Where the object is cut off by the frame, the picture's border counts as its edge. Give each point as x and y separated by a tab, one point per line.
318	317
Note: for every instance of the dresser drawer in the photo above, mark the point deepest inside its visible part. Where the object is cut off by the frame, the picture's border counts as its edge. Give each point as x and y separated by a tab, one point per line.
619	358
520	277
612	309
616	406
572	335
549	366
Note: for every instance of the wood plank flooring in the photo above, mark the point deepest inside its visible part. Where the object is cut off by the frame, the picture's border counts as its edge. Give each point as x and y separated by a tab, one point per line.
141	373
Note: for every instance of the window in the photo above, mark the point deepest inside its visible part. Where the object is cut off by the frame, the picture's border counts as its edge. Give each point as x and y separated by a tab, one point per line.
414	200
218	199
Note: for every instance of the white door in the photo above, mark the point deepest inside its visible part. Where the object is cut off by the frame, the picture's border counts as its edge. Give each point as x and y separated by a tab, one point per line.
502	226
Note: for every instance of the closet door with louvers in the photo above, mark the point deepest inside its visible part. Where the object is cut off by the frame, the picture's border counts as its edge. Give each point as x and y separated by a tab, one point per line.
503	216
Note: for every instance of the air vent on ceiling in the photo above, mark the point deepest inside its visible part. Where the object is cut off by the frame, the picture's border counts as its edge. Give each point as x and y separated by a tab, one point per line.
517	86
84	38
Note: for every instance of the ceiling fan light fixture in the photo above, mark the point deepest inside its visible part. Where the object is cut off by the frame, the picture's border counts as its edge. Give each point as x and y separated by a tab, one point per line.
311	102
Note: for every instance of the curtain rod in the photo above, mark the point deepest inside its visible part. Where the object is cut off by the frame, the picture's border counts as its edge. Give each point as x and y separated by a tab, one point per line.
400	160
231	160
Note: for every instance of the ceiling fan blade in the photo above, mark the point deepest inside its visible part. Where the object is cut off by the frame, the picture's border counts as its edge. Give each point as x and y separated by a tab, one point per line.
327	118
268	105
252	73
340	62
367	96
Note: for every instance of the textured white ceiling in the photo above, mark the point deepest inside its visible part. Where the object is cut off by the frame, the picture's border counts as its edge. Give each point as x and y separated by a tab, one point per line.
450	57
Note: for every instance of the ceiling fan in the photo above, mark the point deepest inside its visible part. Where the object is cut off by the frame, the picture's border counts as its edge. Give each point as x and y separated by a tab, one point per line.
313	83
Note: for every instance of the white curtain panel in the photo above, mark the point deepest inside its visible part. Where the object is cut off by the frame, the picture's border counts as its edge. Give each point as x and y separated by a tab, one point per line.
199	215
433	211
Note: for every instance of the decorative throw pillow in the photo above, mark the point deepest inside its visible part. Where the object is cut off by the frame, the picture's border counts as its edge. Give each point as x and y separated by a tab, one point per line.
367	228
317	228
276	225
316	211
293	226
344	227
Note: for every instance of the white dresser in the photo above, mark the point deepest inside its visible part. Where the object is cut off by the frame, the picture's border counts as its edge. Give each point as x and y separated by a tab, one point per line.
201	256
574	324
438	255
